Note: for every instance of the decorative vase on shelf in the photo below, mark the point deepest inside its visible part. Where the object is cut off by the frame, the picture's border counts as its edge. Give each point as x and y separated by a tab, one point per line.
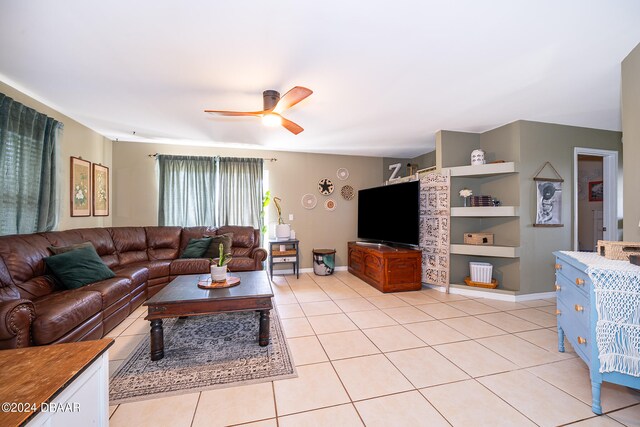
466	194
283	231
218	274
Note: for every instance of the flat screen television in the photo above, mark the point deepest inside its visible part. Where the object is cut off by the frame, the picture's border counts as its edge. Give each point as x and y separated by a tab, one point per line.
390	214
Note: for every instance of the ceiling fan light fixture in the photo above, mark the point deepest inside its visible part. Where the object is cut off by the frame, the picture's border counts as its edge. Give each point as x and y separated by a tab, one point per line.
272	120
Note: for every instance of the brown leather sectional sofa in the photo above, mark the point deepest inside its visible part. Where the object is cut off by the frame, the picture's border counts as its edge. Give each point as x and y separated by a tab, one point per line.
36	310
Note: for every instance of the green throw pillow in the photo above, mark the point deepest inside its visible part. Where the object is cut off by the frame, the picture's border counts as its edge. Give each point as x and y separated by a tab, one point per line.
196	248
78	267
214	249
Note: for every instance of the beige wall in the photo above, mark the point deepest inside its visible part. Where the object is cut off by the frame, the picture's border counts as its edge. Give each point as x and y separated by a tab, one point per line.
77	141
631	139
293	175
541	142
529	145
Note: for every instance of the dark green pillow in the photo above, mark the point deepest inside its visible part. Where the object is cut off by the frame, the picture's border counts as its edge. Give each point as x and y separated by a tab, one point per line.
196	248
214	249
78	267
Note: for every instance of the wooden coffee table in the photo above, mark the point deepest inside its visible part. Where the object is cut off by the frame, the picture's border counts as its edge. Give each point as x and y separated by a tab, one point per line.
183	298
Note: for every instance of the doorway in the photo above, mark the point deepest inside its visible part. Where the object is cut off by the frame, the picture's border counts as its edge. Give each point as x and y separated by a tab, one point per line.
595	197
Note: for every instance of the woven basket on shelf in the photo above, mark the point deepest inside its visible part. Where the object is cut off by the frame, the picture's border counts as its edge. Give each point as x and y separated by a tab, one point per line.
618	250
492	285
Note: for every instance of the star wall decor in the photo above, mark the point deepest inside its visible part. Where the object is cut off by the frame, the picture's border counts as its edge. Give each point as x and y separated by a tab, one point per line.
325	186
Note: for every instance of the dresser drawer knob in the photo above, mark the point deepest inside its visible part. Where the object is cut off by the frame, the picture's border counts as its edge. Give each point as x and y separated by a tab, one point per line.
578	307
558	313
579	281
582	340
558	266
558	287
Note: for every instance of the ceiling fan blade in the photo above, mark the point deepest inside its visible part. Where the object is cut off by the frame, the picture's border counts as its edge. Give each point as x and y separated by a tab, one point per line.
235	113
291	127
291	98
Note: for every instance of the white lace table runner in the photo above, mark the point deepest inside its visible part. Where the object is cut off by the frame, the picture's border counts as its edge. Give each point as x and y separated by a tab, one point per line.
616	286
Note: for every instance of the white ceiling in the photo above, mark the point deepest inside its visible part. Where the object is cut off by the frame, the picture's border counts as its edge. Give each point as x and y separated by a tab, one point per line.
386	75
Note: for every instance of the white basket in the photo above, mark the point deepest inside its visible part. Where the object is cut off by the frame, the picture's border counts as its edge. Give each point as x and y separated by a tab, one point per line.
481	272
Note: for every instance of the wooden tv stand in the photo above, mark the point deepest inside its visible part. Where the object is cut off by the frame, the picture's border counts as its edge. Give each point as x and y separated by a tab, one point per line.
385	268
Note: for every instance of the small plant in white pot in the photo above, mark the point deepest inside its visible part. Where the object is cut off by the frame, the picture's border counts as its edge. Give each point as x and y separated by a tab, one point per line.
219	266
283	231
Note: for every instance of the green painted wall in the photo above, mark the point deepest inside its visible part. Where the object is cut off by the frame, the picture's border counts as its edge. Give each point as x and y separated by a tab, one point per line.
541	142
529	145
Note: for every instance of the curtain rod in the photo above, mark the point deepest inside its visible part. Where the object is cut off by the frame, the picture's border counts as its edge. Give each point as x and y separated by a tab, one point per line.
271	159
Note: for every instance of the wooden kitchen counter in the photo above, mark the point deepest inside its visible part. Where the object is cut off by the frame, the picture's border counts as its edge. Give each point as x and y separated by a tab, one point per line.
35	375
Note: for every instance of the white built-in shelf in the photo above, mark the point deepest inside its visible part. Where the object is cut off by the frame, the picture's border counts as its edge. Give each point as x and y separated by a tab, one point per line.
485	250
498	291
488	211
482	170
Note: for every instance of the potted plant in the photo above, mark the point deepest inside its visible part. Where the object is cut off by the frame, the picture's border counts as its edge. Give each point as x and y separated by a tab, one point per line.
219	265
283	231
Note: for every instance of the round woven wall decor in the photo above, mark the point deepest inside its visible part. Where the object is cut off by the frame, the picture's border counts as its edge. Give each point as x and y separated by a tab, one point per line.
309	201
330	205
325	186
342	173
347	192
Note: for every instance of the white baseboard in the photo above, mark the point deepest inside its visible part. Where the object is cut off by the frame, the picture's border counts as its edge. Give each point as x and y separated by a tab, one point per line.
494	295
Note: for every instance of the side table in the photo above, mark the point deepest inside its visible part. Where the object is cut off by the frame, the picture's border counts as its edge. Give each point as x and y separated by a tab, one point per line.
291	254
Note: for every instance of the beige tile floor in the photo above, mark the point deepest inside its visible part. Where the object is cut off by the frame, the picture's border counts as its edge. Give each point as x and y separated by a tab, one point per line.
407	359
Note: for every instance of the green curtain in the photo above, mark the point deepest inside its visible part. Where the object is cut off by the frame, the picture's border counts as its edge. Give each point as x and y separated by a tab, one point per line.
28	169
240	191
186	190
212	191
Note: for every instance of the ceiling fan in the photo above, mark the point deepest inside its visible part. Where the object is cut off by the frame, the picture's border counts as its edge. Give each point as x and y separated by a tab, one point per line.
273	106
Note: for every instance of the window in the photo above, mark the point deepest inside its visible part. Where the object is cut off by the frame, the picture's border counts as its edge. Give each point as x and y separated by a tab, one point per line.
28	172
212	191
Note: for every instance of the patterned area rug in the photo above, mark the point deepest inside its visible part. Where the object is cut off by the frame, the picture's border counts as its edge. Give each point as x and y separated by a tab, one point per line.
204	353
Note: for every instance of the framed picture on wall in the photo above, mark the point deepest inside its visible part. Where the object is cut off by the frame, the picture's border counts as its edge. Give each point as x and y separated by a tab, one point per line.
80	187
549	204
100	185
596	191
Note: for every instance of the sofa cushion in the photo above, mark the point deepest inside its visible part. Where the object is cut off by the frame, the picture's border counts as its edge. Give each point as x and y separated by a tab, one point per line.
38	287
99	238
243	237
196	248
157	268
214	247
163	242
138	274
110	290
24	255
190	266
241	252
130	243
60	312
242	264
62	249
189	233
78	267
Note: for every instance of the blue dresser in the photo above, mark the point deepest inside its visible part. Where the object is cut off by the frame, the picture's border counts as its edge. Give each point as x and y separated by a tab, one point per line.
578	317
